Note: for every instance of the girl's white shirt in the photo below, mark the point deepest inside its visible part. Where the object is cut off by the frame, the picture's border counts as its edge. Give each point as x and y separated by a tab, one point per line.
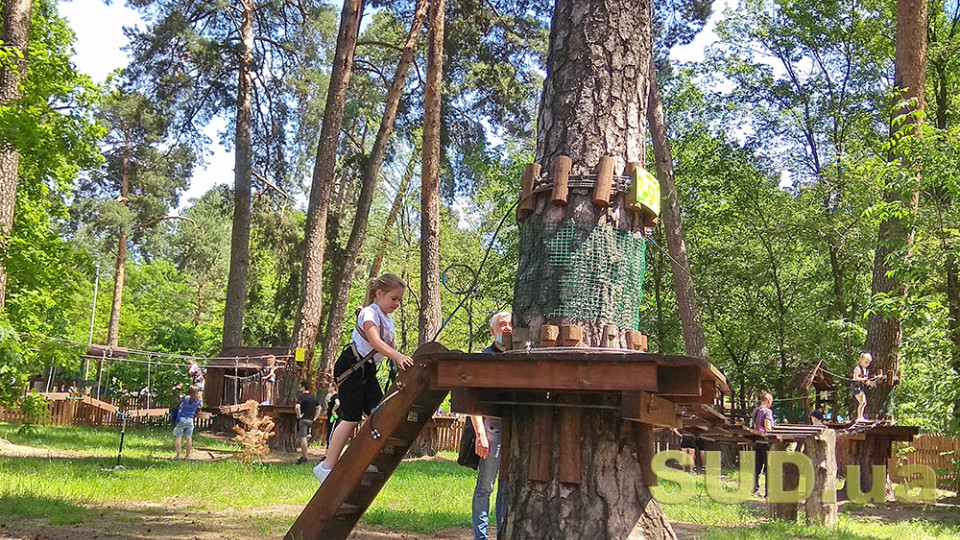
384	325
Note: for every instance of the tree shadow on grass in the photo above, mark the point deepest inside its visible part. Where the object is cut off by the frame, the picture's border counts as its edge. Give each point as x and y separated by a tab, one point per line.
58	511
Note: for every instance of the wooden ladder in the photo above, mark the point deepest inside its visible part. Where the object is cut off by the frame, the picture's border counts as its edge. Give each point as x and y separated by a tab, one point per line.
383	441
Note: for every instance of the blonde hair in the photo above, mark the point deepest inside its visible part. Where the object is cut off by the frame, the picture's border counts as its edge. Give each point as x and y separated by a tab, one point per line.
866	355
385	283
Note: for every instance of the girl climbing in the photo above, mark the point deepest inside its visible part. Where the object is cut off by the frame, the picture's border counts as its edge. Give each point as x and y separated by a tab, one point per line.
356	368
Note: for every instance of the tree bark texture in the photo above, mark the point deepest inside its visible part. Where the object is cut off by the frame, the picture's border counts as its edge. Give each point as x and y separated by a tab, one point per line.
694	341
113	333
611	502
594	105
311	291
341	288
884	333
394	212
430	309
822	451
16	35
240	237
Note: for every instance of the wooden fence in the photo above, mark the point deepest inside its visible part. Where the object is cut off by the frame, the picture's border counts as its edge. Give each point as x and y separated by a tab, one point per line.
933	451
66	410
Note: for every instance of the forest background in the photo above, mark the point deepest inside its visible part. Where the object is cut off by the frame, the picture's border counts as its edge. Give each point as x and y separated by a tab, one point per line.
780	142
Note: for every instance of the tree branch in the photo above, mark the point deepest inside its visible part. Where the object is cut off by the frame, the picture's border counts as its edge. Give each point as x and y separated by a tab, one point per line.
153	222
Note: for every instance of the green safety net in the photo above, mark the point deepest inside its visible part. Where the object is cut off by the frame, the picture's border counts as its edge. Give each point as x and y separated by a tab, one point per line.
582	271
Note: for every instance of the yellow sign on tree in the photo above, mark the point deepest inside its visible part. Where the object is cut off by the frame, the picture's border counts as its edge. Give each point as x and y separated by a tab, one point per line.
646	190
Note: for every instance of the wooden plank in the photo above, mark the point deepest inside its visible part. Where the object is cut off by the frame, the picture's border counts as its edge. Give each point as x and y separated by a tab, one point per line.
539	458
570	441
601	193
527	200
647	408
542	374
102	405
560	174
142	413
55	396
506	435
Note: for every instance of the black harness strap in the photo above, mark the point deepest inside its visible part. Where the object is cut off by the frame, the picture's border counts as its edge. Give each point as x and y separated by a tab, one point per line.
361	361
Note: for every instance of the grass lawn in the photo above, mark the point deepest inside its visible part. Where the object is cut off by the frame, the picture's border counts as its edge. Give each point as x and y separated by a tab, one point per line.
218	499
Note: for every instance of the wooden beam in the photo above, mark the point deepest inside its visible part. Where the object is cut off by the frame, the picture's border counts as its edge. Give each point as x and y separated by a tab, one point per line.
539	464
546	375
649	409
469	401
678	380
570	440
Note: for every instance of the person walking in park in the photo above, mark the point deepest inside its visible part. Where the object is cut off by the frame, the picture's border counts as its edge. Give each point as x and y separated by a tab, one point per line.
356	369
488	447
189	405
763	422
308	410
861	381
196	372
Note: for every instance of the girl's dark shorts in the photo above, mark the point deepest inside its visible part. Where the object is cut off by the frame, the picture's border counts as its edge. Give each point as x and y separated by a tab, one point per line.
361	392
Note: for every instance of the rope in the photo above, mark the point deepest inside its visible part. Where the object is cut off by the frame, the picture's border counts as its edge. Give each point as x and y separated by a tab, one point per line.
476	276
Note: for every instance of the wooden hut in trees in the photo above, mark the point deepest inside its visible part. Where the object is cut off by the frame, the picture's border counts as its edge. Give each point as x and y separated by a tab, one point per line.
239	374
812	376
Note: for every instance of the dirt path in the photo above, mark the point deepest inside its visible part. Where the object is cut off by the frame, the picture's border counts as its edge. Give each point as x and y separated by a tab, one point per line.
15	450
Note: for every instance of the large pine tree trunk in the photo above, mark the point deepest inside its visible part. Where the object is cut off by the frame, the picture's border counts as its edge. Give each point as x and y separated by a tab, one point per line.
311	289
113	333
884	333
430	309
16	35
694	341
594	104
240	237
341	287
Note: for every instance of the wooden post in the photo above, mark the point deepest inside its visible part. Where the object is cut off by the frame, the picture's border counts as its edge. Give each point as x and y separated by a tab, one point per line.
507	339
822	451
634	341
791	479
520	338
549	334
571	335
560	174
611	338
527	201
601	193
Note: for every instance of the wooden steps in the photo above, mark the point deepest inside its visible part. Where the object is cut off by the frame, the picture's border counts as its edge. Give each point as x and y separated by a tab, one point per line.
382	441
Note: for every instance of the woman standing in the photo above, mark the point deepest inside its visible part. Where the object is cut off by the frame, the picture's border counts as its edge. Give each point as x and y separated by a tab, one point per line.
184	426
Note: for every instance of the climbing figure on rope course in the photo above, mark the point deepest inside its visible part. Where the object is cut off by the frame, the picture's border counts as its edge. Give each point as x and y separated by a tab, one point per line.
861	381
